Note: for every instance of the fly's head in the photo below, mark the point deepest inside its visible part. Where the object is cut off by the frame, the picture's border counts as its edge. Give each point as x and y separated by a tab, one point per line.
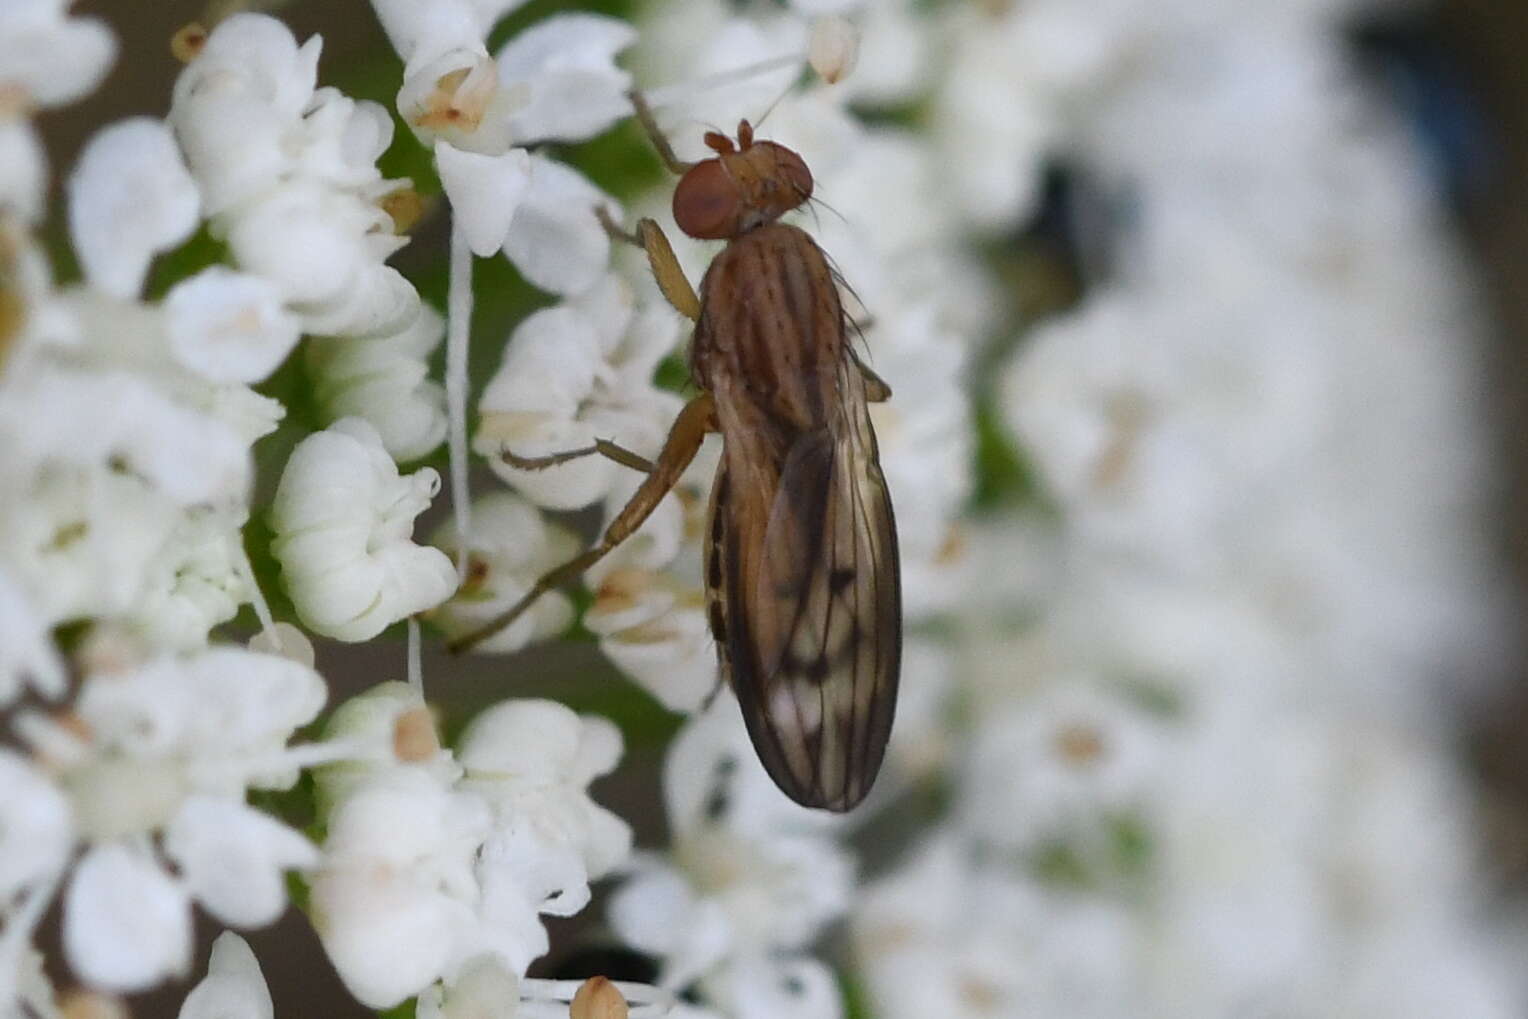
746	184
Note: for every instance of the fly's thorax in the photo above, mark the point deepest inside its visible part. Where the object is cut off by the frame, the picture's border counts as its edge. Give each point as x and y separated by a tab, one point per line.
772	327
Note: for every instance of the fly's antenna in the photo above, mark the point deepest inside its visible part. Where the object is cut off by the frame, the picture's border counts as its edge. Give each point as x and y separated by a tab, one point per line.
771	107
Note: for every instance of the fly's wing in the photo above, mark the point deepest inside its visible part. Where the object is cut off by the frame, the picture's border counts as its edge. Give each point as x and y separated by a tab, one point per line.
812	606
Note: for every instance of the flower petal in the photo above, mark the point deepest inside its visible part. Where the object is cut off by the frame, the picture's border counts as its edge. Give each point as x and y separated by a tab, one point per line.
568	64
229	326
130	197
555	240
484	192
234	987
233	858
127	924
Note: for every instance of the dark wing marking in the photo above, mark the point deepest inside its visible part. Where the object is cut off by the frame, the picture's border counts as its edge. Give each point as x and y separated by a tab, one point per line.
813	615
716	539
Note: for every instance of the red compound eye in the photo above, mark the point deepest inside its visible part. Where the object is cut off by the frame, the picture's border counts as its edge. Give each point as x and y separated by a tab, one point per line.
791	169
706	202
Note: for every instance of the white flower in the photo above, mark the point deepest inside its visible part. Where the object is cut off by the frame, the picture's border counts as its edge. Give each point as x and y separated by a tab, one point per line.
653	626
215	722
394	900
532	761
485	192
130	197
385	380
237	104
555	238
23	169
170	747
232	859
50	57
554	81
895	54
27	655
324	250
496	839
36	828
234	987
342	516
1165	437
1002	104
925	435
511	546
709	40
1071	758
566	66
649	606
571	374
484	989
762	988
288	174
948	935
228	326
751	875
83	542
833	49
195	582
286	641
1239	878
453	98
388	726
100	419
127	925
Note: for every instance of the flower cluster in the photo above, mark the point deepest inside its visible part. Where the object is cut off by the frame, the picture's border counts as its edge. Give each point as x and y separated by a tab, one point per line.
438	863
1171	737
138	730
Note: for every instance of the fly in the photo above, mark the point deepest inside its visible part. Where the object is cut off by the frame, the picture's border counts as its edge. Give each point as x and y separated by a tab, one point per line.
802	578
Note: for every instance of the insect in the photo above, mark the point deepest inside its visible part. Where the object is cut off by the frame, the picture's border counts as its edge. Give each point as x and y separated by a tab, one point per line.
802	578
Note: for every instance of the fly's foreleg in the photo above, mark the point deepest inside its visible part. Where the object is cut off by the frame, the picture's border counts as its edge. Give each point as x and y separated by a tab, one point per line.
655	134
660	255
696	419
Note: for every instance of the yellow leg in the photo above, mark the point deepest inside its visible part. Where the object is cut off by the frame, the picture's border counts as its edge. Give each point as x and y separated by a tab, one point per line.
696	419
660	255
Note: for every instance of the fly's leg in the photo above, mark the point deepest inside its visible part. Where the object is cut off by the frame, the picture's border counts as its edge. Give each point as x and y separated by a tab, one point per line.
602	447
876	389
696	419
660	255
655	133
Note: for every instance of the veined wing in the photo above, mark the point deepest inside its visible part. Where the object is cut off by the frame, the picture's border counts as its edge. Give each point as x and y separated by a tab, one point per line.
809	599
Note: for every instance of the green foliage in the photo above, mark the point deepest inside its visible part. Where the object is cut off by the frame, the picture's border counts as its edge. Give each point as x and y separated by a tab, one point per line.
1003	477
856	1001
201	251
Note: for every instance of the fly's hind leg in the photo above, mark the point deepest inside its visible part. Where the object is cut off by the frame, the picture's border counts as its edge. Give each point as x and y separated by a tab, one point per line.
660	255
696	419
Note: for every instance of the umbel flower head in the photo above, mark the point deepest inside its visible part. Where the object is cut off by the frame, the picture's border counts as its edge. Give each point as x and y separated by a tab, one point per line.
1212	524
